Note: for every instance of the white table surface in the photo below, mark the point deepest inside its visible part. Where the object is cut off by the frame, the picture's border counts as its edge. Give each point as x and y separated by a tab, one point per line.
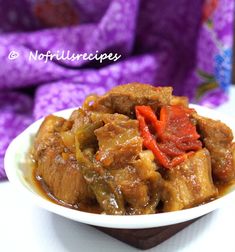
27	228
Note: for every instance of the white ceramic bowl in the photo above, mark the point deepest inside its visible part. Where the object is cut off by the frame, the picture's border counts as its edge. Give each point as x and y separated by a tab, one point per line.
17	174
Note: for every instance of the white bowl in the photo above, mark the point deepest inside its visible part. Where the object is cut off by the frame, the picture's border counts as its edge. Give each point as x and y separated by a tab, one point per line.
17	174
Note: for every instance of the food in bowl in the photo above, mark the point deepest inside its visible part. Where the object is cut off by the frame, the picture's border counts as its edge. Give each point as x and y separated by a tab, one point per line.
137	149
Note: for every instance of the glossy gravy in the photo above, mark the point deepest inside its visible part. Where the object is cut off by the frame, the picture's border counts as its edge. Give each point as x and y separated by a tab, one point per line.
43	190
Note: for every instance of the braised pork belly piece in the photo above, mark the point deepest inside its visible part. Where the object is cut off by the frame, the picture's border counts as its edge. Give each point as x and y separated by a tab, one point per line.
190	183
217	138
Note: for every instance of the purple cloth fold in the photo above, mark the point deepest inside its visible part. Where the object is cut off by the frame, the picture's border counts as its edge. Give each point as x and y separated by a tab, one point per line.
160	42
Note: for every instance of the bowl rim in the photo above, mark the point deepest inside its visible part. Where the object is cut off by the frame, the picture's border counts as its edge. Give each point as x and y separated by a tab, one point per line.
103	220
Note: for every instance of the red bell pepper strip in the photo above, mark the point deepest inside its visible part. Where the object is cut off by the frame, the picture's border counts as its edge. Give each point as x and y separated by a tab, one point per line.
150	116
149	141
175	133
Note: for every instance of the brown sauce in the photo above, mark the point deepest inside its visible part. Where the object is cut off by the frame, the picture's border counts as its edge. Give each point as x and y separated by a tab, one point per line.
225	188
43	190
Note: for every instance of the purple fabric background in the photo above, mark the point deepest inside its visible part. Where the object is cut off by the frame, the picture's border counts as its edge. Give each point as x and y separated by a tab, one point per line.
161	42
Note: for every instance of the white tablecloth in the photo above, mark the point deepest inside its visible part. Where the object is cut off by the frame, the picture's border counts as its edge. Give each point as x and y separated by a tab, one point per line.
27	228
